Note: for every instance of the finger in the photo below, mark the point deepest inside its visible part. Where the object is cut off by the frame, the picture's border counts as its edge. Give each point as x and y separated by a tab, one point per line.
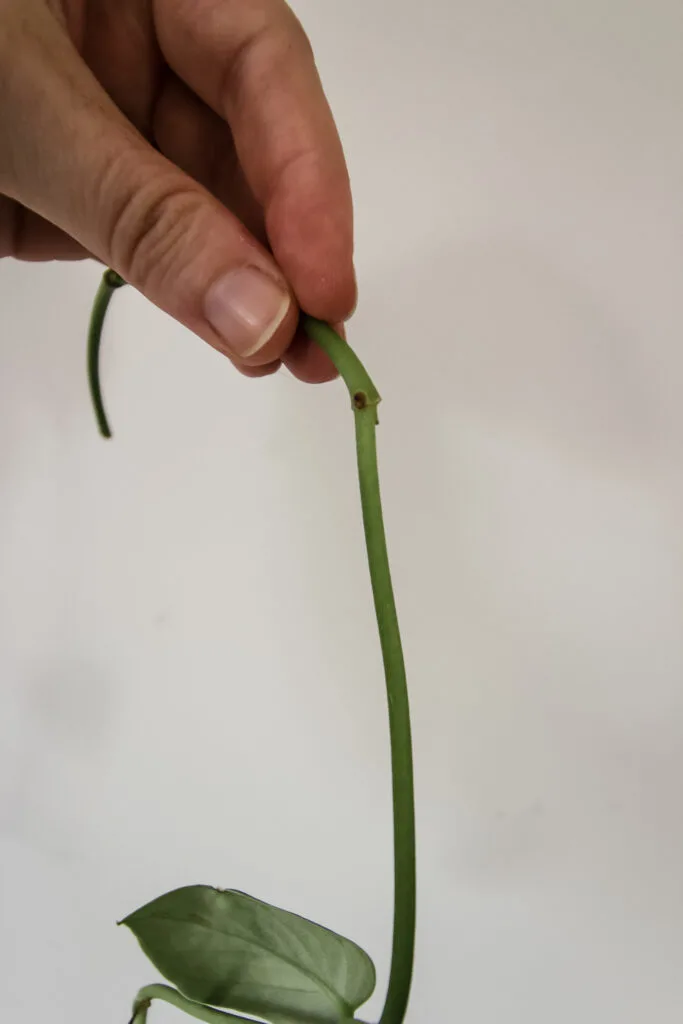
253	65
119	46
191	135
26	236
307	361
260	371
83	167
198	141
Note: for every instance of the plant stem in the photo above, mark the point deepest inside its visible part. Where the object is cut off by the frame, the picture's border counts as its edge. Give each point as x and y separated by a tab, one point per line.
108	285
172	996
365	399
208	1014
140	1012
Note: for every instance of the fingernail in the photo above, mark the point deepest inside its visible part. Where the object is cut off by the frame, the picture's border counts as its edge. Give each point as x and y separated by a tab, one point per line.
246	307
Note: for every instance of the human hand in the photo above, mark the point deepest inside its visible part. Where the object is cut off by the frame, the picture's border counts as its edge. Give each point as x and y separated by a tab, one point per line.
188	145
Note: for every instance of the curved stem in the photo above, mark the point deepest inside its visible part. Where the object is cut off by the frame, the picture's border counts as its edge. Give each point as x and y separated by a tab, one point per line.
365	398
170	995
109	283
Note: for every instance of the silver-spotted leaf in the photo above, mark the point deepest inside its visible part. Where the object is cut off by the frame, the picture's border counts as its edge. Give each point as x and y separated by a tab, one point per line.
224	948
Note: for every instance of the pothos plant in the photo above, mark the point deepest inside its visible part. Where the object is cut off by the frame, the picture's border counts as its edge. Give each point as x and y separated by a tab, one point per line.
226	953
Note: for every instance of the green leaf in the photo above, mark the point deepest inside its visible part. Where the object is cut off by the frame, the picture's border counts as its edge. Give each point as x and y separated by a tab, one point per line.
224	948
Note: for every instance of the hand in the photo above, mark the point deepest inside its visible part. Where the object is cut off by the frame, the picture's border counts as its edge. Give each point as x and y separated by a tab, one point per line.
187	144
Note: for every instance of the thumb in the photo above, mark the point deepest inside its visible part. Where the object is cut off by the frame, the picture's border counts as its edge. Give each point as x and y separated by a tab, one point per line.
71	156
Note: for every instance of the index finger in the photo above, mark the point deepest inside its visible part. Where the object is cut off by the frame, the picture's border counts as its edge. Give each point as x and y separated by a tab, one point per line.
252	63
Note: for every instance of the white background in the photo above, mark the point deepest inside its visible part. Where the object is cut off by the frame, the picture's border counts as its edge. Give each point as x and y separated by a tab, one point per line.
191	685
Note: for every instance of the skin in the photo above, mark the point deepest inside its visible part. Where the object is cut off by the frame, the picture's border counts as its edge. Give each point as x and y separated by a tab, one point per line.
174	140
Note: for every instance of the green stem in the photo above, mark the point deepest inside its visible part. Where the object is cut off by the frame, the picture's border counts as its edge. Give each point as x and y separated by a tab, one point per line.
170	995
140	1011
108	285
365	399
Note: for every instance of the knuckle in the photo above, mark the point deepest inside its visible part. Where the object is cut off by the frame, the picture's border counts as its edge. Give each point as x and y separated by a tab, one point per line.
235	70
271	45
150	227
297	36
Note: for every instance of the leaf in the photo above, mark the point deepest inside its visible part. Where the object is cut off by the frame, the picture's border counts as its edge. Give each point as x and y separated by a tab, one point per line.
224	948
